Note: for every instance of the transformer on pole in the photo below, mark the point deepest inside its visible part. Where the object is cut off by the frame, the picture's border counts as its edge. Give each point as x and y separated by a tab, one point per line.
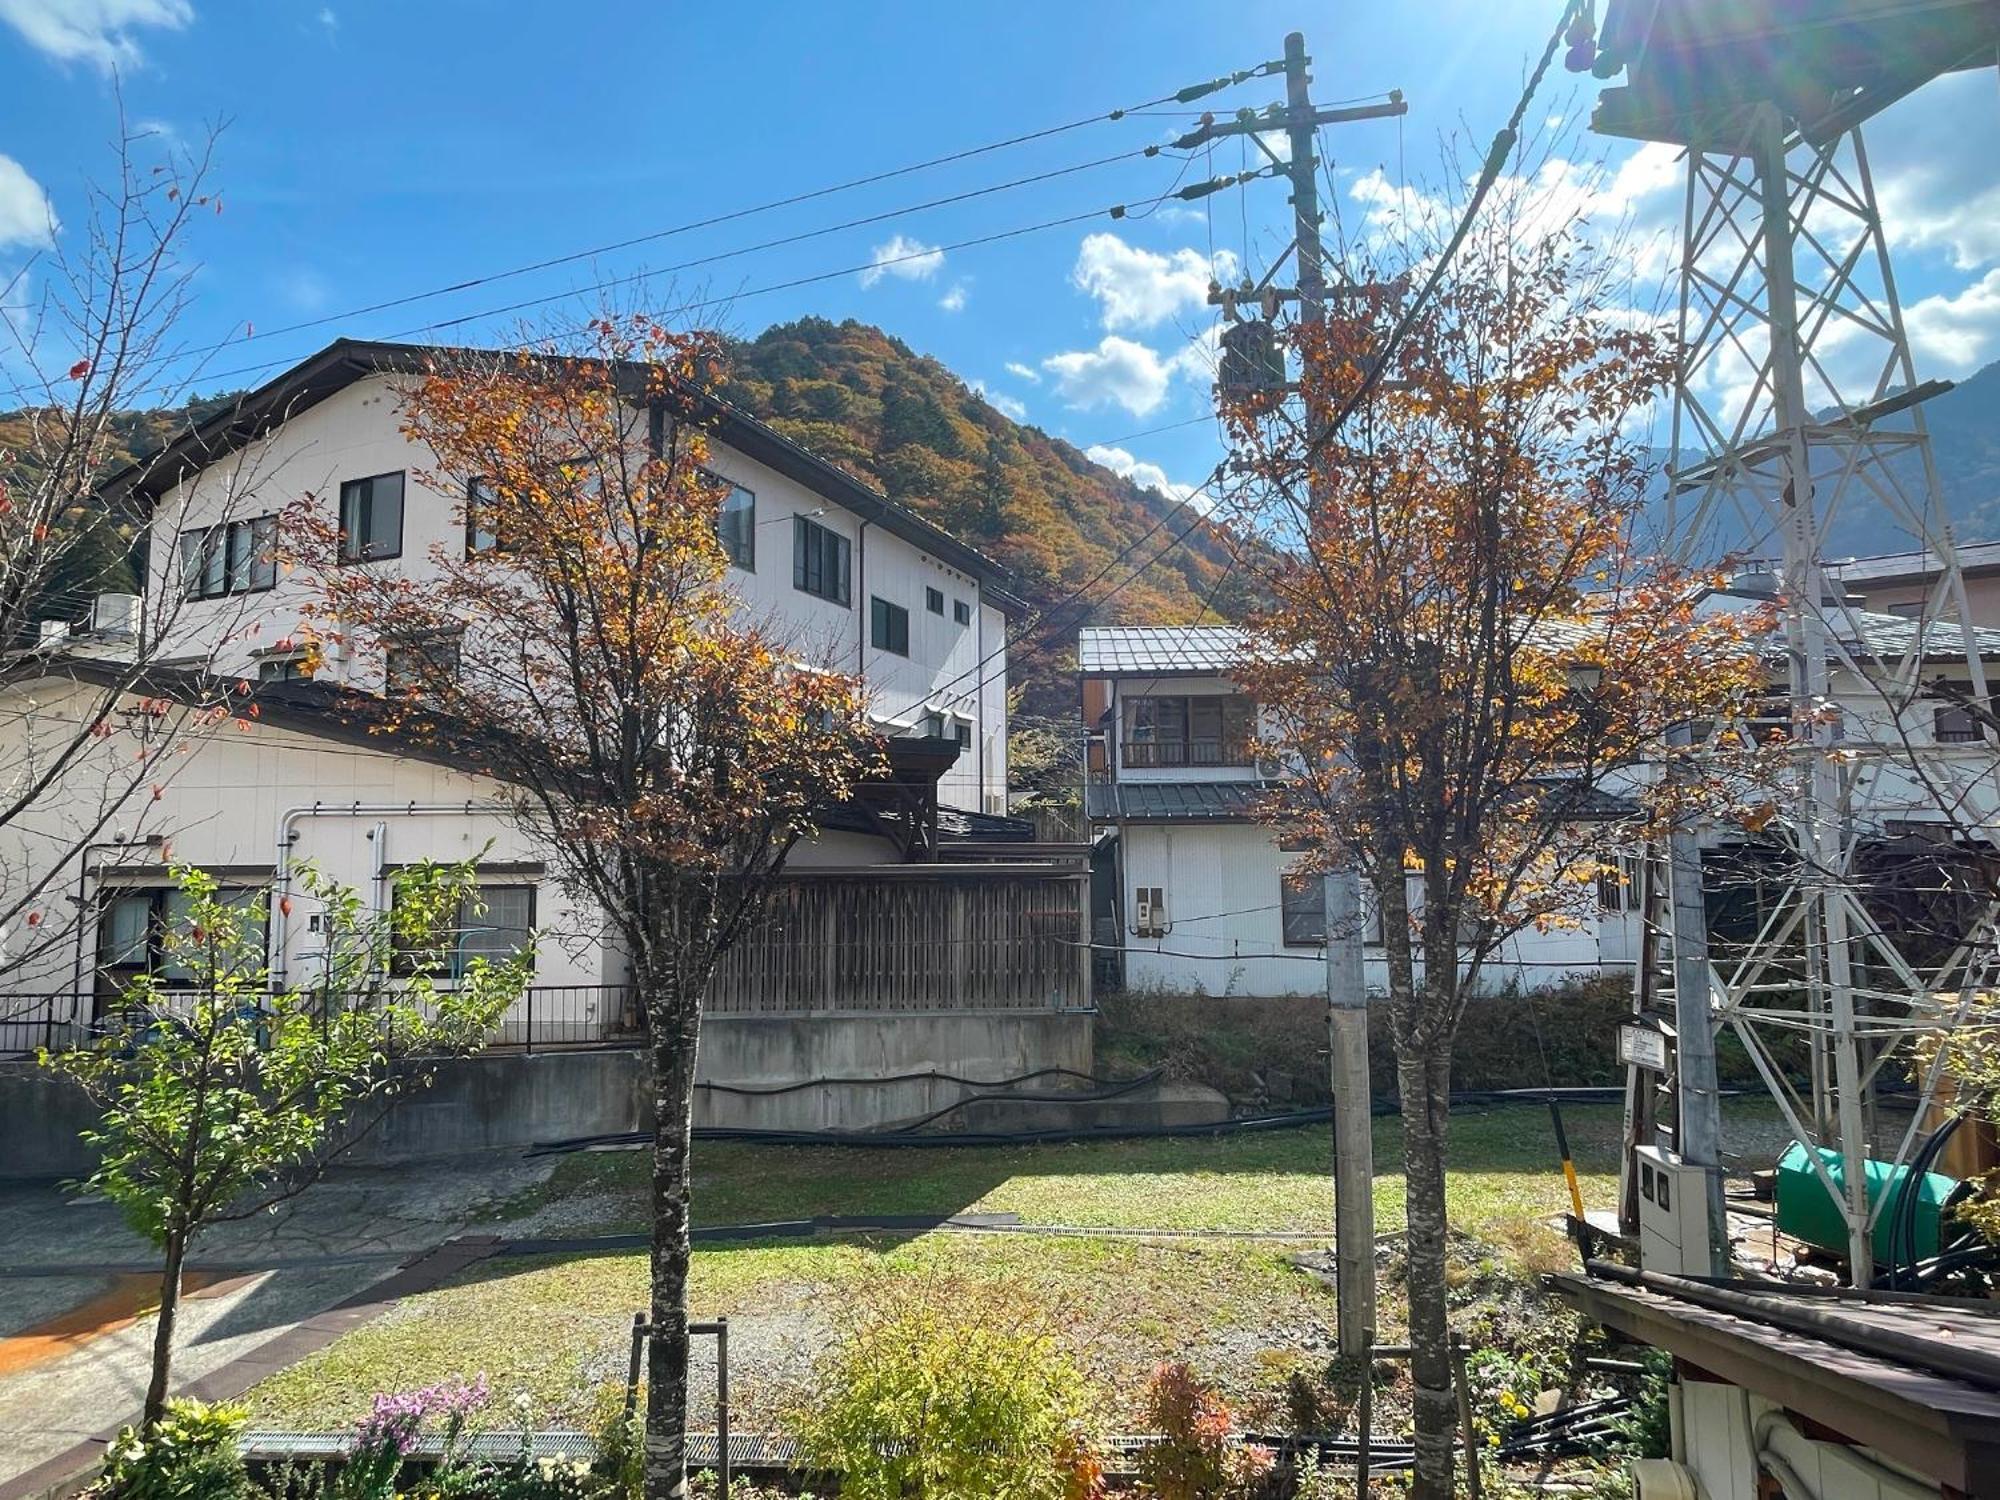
1796	402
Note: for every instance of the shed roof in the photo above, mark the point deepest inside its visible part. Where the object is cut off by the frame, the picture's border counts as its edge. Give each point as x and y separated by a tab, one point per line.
1915	1377
1175	801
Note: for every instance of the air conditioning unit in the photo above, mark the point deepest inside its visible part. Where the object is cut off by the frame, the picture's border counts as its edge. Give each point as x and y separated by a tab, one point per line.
50	633
115	615
1673	1214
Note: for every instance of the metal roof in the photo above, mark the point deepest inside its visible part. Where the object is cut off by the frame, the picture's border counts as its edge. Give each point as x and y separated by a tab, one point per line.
1159	650
1175	801
1912	567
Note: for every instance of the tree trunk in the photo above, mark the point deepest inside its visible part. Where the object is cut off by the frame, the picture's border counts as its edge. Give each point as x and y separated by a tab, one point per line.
673	1053
1425	1082
163	1333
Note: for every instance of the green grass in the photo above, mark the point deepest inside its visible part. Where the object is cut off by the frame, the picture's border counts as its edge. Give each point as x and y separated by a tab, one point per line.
1239	1310
1504	1172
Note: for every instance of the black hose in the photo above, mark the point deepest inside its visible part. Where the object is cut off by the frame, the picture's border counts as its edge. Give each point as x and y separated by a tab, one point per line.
898	1138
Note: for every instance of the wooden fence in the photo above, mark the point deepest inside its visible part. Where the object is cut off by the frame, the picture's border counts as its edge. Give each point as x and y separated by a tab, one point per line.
917	937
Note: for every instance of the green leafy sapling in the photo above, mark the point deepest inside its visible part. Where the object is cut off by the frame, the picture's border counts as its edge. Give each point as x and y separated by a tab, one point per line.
221	1097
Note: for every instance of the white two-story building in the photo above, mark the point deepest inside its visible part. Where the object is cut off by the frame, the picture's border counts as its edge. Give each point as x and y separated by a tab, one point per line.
1205	900
289	773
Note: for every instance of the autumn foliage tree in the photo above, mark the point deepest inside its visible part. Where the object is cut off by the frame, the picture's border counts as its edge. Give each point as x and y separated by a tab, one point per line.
583	649
1465	650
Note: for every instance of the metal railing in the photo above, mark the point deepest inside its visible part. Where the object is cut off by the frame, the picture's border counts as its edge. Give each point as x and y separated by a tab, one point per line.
546	1016
1144	755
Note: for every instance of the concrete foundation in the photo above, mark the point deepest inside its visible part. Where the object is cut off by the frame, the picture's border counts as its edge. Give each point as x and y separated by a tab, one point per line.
824	1072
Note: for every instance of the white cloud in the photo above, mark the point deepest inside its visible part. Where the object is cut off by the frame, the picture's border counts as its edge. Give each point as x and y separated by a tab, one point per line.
328	19
1004	404
1956	335
25	215
1137	288
1118	372
1124	372
954	300
911	260
98	32
1149	476
1024	372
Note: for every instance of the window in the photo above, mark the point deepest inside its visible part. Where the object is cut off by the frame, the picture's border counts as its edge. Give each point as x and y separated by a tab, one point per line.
933	726
237	557
1188	731
295	668
1955	724
736	527
934	600
481	533
962	731
822	561
371	518
961	612
133	923
1302	909
888	627
415	664
494	922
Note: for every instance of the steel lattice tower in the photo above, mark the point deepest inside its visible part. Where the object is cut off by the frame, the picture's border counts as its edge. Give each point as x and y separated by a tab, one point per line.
1796	403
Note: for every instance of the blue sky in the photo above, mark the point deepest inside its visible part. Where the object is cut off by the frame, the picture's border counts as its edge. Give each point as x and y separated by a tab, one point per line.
374	150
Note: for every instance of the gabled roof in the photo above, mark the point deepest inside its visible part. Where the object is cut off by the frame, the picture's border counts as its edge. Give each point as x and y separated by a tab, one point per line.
1869	633
1913	567
344	361
1159	650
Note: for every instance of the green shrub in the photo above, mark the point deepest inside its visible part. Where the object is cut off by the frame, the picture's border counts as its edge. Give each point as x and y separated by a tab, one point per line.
948	1390
191	1454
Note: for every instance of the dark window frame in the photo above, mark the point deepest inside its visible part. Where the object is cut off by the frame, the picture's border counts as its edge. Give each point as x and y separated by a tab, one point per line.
817	552
1168	736
961	612
160	917
934	600
1302	908
741	550
405	959
425	644
353	554
473	530
888	626
219	549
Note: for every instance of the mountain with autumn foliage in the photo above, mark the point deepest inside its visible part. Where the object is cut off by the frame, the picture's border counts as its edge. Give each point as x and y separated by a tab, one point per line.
1069	529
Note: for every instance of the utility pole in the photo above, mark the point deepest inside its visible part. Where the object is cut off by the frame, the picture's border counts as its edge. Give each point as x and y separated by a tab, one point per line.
1346	990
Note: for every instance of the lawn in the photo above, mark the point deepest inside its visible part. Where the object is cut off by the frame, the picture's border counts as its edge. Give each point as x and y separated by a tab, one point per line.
1240	1310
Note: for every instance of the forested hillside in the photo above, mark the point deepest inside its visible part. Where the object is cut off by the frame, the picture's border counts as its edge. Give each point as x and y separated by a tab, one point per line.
904	422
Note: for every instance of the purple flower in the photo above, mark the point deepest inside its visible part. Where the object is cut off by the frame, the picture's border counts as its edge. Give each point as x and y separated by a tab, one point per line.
398	1416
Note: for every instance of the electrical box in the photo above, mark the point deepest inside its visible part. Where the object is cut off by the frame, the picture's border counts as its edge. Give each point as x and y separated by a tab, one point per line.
1149	911
1673	1214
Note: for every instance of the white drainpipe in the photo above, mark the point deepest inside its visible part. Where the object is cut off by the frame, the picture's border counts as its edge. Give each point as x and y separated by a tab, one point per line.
282	874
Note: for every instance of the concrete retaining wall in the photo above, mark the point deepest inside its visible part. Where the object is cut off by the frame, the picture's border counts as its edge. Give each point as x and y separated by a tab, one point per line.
502	1100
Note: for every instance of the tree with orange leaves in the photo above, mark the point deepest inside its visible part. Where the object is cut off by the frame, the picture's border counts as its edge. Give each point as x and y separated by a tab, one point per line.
583	650
1465	651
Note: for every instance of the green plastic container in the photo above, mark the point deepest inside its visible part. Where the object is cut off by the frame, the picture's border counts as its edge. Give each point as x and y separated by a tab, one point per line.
1806	1212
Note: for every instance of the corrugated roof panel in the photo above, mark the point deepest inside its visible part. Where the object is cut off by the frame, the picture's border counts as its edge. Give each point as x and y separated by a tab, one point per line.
1112	650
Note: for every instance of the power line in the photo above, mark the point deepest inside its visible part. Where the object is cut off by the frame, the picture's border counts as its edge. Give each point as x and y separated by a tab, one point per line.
1114	211
1496	160
1180	96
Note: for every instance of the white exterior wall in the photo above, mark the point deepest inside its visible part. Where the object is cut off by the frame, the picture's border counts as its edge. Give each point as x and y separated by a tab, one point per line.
1722	1428
356	433
1225	933
237	789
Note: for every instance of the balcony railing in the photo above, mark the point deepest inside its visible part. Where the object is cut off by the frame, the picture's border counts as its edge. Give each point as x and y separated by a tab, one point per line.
1147	755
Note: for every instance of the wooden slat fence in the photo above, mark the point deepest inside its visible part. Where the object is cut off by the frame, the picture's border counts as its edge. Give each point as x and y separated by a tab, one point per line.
920	937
